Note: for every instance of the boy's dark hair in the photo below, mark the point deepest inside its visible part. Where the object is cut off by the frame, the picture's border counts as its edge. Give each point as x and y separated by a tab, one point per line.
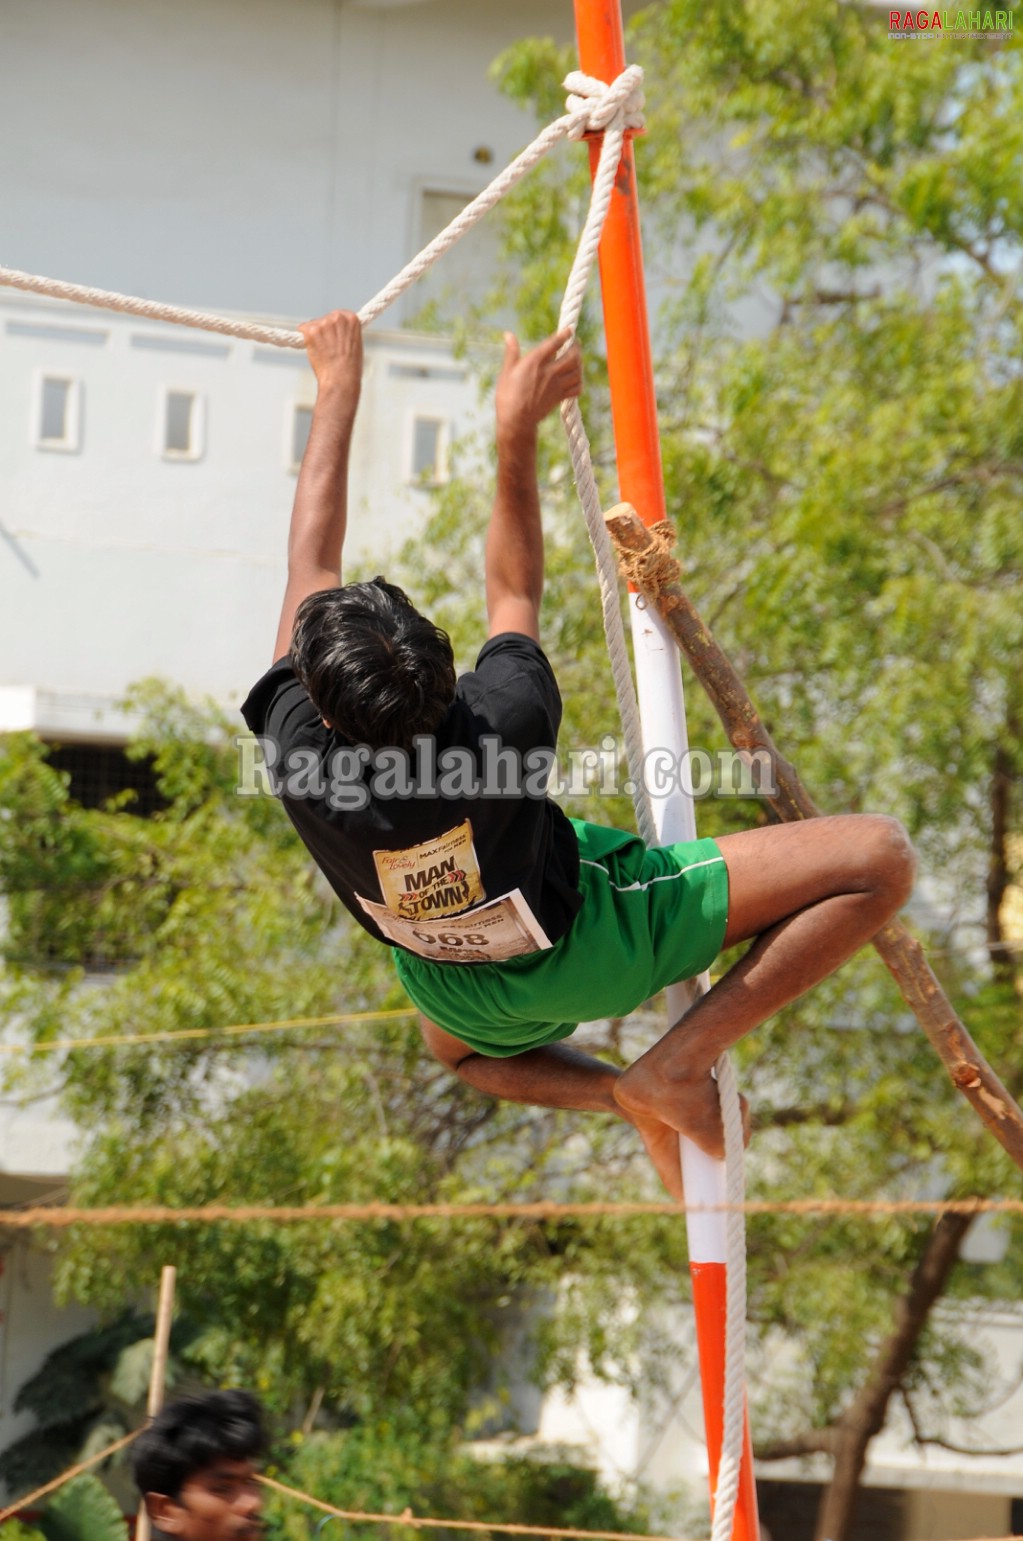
192	1433
377	670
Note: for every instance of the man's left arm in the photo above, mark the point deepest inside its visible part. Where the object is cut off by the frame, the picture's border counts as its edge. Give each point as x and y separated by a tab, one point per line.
320	513
528	388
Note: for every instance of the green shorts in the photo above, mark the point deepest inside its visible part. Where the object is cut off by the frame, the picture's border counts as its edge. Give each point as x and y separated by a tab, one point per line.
649	918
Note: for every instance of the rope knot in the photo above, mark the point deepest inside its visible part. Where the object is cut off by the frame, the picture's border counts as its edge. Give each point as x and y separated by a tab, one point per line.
596	105
656	568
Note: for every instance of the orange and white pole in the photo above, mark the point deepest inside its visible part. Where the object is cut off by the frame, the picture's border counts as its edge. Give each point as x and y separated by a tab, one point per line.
661	700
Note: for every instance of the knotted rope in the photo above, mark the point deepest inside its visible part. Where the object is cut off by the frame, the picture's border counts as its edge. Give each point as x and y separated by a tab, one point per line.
656	568
615	124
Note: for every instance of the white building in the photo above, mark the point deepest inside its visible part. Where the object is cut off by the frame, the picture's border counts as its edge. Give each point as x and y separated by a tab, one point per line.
269	159
275	160
147	479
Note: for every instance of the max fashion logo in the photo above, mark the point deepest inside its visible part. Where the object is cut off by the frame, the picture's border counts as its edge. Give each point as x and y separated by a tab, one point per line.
349	778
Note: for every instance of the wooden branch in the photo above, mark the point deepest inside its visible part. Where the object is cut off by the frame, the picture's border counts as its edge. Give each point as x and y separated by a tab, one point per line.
865	1415
815	1113
814	1442
643	562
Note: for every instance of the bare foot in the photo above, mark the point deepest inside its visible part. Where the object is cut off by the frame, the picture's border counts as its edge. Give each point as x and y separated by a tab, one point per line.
662	1147
690	1107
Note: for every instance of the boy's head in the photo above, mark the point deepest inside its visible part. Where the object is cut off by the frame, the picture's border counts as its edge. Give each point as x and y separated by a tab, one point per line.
195	1468
375	669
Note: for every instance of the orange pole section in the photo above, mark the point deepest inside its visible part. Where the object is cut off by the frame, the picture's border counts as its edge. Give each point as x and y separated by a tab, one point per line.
629	363
710	1308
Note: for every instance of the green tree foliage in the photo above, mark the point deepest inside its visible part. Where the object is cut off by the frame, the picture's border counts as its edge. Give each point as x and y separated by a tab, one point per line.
87	1394
83	1511
215	917
384	1468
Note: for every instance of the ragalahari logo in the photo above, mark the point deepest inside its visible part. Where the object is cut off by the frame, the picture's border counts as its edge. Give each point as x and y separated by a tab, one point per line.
988	25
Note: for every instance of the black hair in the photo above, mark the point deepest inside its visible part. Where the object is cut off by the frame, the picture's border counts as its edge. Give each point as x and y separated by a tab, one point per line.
192	1433
375	669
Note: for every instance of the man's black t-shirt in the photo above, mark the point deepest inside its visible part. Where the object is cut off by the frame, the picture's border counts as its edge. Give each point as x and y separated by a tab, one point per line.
409	841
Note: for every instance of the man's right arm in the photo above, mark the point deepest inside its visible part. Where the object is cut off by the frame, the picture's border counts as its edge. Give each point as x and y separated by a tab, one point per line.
320	514
528	388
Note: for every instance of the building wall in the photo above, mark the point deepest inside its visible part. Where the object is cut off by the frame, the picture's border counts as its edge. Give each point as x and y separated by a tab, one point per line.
31	1325
119	562
250	154
938	1515
244	156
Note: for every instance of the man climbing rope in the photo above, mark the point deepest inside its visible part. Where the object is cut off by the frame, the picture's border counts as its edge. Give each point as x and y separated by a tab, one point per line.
423	800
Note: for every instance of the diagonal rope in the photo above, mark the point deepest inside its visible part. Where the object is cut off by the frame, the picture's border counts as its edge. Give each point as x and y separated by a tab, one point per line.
418	1522
199	1034
586	113
66	1476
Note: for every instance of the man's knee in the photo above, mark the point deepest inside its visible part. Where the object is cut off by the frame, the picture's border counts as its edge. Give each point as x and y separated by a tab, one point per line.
889	856
451	1051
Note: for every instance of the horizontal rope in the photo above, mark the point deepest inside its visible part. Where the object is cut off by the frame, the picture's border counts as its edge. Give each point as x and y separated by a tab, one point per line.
417	1522
59	1217
66	1476
195	1034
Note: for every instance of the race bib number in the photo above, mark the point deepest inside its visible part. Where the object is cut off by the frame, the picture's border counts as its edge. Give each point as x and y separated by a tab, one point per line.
504	928
440	877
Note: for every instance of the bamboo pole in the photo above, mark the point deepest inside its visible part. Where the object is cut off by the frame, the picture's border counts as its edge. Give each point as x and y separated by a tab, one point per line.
646	563
158	1376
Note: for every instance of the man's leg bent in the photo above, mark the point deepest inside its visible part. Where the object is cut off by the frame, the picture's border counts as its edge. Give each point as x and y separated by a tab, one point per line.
556	1076
812	894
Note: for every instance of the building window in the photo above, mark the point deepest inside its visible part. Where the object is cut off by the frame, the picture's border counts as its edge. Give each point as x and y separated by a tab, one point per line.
300	420
56	926
182	425
429	452
467	273
58	413
98	772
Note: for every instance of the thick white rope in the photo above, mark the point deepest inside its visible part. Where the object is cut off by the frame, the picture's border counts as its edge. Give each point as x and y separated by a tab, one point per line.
587	111
733	1429
578	444
152	310
593	106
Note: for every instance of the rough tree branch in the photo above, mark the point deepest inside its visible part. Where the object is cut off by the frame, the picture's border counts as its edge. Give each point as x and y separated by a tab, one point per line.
646	562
